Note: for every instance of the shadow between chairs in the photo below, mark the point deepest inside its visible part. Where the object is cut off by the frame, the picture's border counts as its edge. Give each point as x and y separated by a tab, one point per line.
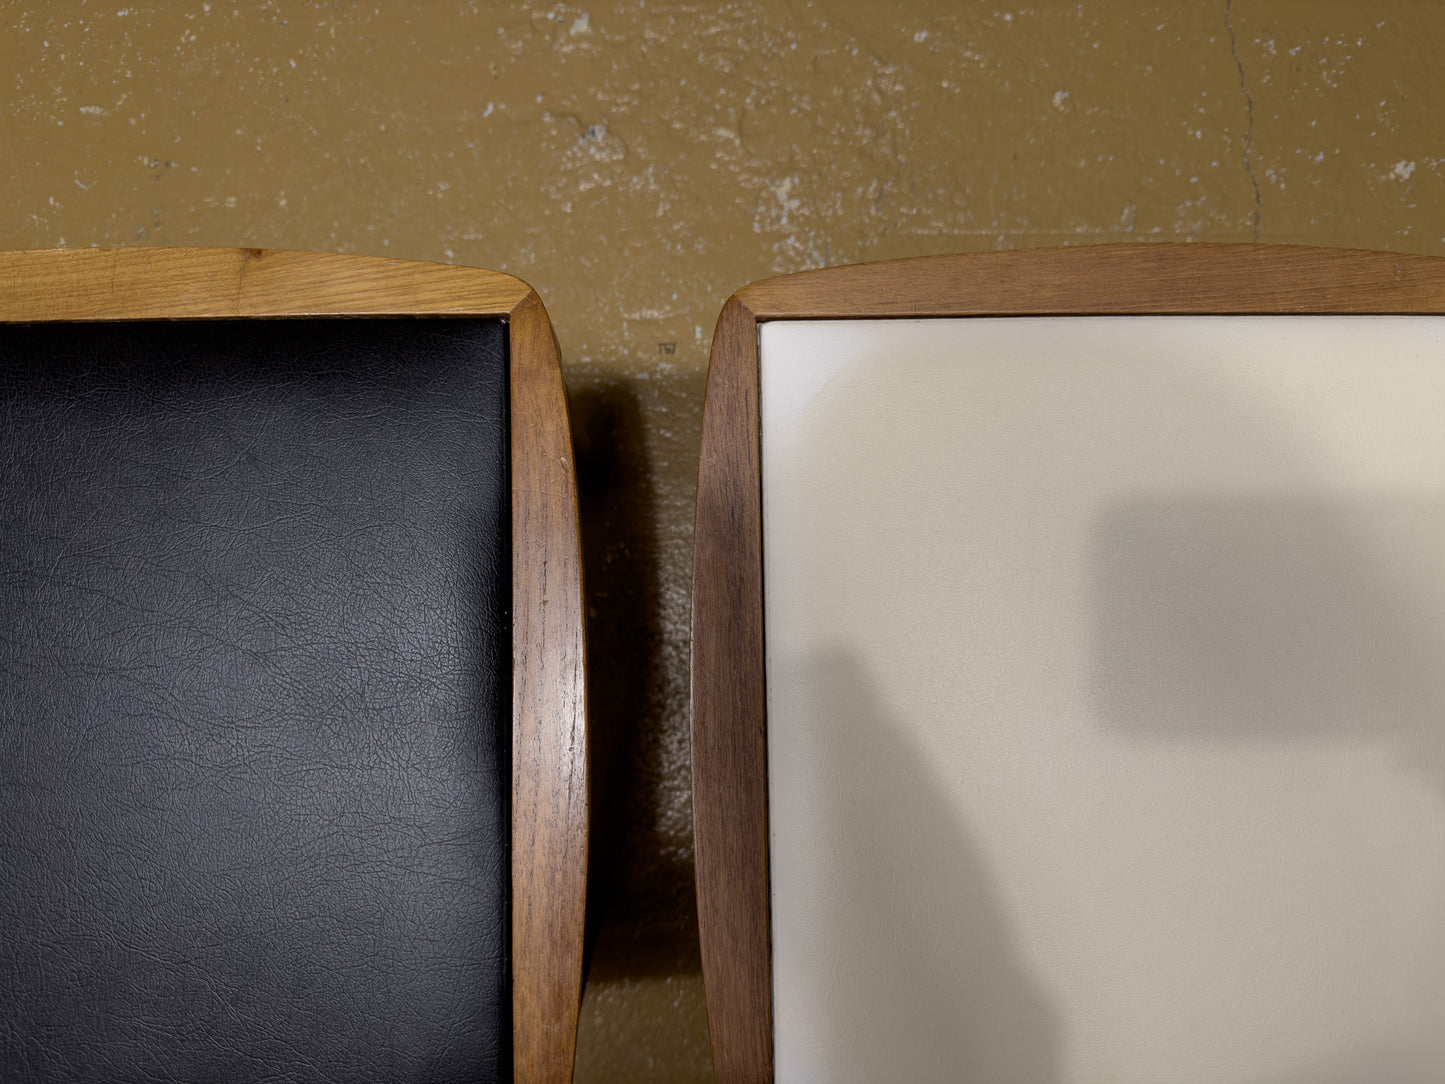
642	902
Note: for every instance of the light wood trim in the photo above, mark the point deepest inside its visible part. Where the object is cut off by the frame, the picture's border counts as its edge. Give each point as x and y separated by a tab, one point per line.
549	726
549	750
201	283
729	749
1111	279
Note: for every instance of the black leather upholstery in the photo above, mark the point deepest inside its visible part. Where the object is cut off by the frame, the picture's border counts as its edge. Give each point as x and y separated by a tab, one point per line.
254	701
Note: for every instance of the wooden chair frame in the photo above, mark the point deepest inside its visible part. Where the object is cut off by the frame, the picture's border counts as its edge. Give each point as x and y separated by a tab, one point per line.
729	723
549	724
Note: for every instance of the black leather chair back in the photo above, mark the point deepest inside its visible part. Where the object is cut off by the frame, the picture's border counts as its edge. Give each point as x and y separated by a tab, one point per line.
255	720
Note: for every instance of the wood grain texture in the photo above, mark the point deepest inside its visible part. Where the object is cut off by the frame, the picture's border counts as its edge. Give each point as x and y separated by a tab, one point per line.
729	749
1111	279
729	744
549	765
197	283
549	751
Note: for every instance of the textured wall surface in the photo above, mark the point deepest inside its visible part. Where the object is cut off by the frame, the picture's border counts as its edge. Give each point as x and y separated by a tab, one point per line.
637	161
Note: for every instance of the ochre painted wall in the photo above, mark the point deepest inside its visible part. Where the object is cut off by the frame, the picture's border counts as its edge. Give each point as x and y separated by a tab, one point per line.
637	161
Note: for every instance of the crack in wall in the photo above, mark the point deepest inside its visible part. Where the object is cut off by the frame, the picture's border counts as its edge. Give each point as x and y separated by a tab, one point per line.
1249	113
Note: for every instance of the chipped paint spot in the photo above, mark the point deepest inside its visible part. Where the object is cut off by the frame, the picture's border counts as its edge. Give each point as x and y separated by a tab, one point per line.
1402	170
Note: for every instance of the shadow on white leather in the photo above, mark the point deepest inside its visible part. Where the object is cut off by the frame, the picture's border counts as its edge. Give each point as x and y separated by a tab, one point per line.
1148	614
